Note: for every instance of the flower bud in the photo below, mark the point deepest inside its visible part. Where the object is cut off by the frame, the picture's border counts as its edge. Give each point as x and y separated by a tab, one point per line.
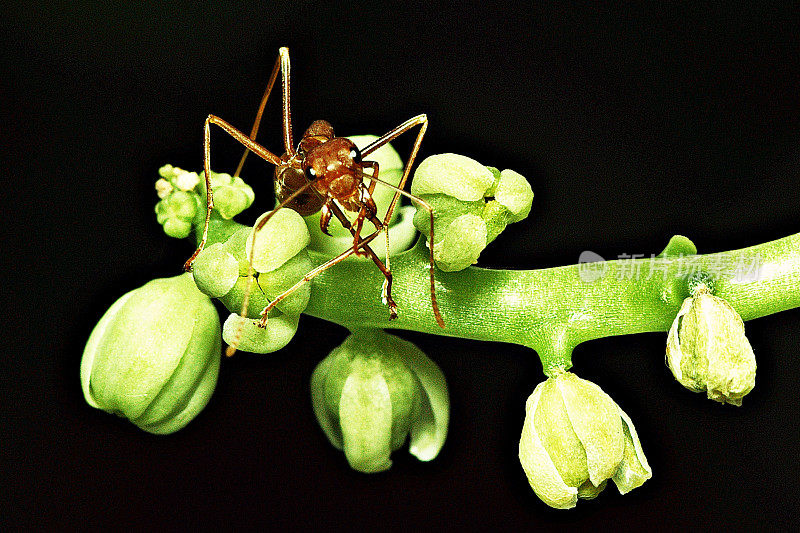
373	391
707	349
154	356
176	212
472	205
574	439
231	194
280	261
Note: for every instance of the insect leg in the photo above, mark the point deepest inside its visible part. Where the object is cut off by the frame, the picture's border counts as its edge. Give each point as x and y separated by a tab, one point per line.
368	209
282	65
259	150
425	205
419	120
257	122
386	290
311	275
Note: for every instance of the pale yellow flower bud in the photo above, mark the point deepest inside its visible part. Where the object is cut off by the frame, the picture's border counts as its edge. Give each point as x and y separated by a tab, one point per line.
707	349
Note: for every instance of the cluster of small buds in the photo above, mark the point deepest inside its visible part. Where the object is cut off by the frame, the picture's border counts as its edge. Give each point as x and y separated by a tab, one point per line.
182	195
231	194
280	259
472	205
179	203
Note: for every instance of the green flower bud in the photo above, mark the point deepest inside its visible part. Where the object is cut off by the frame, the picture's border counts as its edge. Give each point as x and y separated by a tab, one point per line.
283	237
154	356
574	439
268	285
373	391
221	270
231	195
707	349
176	211
472	205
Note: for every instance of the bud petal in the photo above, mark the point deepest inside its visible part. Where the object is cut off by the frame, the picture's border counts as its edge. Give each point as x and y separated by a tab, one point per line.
163	188
707	349
542	473
454	175
215	271
429	428
515	193
154	356
596	421
186	181
634	470
365	414
280	330
463	242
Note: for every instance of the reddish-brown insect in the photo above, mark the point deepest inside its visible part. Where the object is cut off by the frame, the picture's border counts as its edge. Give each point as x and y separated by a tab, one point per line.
321	171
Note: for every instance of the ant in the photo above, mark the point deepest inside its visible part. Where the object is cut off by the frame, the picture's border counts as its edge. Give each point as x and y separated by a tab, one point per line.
322	173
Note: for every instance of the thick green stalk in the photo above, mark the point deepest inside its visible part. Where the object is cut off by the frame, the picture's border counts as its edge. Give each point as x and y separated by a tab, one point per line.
553	310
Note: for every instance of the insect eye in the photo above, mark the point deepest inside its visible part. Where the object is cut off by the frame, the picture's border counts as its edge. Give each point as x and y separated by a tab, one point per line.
311	174
355	154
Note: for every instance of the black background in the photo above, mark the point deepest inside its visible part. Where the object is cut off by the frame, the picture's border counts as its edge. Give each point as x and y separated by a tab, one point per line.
632	124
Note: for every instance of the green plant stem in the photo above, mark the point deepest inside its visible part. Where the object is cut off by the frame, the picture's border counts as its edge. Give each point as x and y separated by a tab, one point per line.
553	310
